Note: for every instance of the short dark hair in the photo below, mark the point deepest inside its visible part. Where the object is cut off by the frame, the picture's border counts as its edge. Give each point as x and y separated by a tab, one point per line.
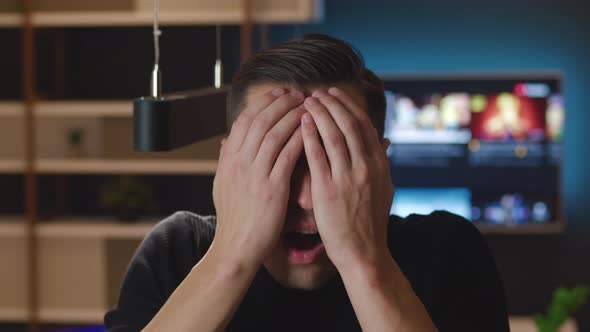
311	60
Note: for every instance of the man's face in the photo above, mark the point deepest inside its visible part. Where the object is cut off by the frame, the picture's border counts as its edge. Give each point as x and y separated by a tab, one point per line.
299	260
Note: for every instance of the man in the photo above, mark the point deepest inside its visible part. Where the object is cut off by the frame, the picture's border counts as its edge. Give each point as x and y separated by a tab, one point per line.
303	240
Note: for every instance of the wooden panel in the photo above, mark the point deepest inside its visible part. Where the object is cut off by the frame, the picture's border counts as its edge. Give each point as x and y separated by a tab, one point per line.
11	137
10	6
72	285
184	12
53	132
13	287
118	255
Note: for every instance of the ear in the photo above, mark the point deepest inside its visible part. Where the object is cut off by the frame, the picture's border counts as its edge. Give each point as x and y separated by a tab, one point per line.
385	144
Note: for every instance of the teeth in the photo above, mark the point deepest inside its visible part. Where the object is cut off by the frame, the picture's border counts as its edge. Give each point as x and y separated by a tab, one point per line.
306	232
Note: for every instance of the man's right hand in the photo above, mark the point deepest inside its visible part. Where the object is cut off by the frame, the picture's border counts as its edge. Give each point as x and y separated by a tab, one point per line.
251	186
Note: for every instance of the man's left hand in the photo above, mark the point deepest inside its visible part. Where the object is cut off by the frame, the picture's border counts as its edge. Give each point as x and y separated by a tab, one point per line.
351	189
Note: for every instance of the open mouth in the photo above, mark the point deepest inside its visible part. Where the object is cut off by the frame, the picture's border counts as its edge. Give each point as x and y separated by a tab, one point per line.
303	247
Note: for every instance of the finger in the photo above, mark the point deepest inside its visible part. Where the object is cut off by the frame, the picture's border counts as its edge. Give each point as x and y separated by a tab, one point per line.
348	125
267	119
350	104
361	115
314	152
243	122
334	143
274	141
287	159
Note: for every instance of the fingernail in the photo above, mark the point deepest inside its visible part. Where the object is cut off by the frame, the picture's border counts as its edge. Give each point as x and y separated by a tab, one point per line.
318	93
306	118
297	94
310	101
278	92
333	91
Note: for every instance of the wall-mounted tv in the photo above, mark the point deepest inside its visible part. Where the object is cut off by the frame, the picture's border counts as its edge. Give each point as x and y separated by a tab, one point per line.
486	146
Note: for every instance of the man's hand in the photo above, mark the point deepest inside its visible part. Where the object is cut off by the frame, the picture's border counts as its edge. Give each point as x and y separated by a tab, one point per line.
352	193
251	186
351	185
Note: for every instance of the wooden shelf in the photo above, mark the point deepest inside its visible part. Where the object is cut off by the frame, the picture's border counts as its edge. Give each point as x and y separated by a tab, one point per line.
12	226
69	316
72	108
69	13
11	108
11	166
114	166
103	166
549	228
14	314
96	108
10	20
82	227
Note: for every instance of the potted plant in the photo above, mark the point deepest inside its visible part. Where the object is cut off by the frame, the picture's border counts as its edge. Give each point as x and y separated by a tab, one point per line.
129	197
75	141
564	304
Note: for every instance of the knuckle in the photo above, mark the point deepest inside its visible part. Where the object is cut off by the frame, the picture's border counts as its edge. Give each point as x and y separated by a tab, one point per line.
261	122
327	99
317	154
350	124
286	157
335	139
271	137
244	118
363	174
331	194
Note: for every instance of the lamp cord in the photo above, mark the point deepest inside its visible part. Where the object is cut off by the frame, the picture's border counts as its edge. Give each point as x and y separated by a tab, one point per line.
157	33
156	83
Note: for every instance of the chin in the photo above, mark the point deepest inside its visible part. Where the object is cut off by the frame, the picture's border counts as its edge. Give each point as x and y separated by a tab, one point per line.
307	274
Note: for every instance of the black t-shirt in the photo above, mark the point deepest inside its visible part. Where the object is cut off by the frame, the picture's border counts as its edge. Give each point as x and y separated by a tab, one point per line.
444	257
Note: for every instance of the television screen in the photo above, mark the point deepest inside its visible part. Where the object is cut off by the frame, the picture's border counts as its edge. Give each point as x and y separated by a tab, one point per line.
426	200
493	143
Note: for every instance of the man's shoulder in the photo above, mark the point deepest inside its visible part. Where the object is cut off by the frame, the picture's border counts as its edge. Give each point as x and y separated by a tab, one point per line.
438	222
437	230
184	223
178	235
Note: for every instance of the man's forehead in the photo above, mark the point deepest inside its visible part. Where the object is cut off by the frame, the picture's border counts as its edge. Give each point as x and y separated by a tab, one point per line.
260	89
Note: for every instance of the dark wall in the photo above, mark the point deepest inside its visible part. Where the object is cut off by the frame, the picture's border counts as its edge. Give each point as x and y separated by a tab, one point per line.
430	36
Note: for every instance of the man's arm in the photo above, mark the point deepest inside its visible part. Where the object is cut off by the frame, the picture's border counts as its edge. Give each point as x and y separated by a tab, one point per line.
250	193
352	194
208	296
382	297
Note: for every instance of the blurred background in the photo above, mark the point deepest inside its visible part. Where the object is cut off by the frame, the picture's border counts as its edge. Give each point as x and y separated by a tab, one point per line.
486	112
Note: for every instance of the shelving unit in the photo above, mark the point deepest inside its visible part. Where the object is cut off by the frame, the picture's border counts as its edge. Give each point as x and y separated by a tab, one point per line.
13	287
102	246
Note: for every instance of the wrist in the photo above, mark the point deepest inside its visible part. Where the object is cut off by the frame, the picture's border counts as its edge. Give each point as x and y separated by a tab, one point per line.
232	260
372	265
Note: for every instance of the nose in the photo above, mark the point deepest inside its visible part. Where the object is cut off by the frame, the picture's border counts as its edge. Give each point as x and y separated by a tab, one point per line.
300	195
